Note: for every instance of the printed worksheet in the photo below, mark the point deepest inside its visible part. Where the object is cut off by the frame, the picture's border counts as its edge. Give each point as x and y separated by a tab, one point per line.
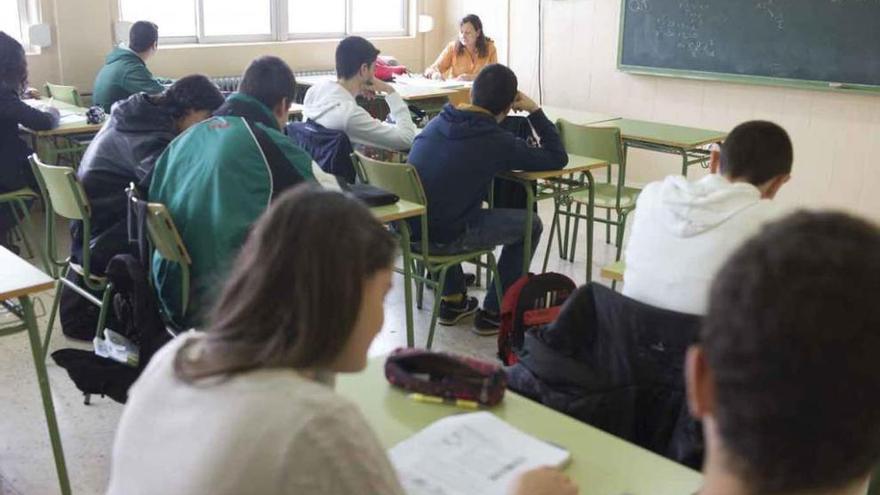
467	454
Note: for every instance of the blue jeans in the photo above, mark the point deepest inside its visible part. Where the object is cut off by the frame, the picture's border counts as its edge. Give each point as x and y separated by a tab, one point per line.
493	227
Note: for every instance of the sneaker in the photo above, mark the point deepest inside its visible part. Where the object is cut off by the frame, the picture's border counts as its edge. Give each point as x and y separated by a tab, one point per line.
452	313
486	323
470	279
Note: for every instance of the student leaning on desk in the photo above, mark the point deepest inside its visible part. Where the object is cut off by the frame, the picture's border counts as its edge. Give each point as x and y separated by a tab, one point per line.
248	406
464	58
15	172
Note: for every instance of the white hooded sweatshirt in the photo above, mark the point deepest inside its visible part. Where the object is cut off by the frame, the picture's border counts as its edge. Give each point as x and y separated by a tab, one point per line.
332	106
683	232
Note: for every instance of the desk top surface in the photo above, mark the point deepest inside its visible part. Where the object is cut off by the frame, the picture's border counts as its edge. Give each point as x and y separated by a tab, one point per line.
73	119
19	278
601	463
664	134
576	163
408	91
398	211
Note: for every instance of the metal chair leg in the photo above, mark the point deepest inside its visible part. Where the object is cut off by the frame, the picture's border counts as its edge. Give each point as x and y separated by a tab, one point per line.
438	297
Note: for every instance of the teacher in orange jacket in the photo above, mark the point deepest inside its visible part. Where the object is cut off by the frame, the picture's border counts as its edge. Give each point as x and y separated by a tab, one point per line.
463	58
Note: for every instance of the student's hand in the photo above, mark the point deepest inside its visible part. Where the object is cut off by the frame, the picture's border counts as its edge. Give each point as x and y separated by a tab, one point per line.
465	77
523	103
434	74
31	94
544	481
376	86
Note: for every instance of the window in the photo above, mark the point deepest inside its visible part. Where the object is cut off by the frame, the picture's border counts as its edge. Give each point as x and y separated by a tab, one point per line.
15	18
175	18
207	21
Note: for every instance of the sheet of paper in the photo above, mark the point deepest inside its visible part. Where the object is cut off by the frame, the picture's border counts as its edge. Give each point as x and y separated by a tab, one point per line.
470	454
424	82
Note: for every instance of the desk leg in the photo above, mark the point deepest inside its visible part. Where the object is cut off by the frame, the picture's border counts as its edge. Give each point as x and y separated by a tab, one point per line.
684	161
48	406
406	253
591	195
530	218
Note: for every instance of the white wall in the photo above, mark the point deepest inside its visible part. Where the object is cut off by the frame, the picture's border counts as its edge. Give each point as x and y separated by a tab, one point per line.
836	136
493	13
83	36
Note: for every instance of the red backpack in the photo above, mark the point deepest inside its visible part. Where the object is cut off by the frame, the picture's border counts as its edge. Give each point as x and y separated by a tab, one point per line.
532	301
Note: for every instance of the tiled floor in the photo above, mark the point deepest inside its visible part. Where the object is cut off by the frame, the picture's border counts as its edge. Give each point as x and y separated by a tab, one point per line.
26	465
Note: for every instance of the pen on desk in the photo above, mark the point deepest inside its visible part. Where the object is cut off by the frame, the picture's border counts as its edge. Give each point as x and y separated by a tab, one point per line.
433	399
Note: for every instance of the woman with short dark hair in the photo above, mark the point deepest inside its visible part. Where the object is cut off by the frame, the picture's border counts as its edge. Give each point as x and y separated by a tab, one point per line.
248	406
15	171
463	58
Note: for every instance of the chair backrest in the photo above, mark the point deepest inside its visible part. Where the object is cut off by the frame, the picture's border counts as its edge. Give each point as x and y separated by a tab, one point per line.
61	190
603	143
66	94
164	235
164	238
401	179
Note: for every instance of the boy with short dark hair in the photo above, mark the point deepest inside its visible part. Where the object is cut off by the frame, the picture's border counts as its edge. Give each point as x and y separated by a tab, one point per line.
332	104
785	378
682	231
457	156
125	70
218	178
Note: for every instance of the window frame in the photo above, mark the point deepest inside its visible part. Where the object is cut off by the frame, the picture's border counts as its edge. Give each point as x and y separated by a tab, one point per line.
28	15
279	28
404	12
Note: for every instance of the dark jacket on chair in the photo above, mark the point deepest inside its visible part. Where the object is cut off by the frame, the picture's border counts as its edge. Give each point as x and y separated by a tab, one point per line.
460	152
124	151
331	149
618	365
15	171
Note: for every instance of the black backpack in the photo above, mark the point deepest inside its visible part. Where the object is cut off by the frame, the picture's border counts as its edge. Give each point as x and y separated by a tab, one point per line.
136	312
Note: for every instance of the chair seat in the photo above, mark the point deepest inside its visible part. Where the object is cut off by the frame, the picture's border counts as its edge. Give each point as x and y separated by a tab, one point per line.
24	193
79	270
606	196
614	271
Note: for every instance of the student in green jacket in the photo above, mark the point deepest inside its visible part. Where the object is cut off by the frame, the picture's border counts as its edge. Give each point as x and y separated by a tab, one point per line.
125	70
219	176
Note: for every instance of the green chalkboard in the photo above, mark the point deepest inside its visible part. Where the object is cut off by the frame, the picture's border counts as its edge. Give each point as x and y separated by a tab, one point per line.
823	44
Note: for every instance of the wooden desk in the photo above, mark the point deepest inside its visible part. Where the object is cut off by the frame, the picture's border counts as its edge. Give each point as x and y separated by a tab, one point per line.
19	280
73	124
601	463
667	138
73	121
579	117
295	111
409	92
559	184
397	214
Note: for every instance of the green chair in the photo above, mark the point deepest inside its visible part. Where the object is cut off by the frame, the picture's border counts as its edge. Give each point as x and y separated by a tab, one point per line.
64	196
165	239
65	94
76	144
614	272
17	203
403	180
603	143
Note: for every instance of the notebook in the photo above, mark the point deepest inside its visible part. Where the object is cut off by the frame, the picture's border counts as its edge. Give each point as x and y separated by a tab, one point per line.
470	454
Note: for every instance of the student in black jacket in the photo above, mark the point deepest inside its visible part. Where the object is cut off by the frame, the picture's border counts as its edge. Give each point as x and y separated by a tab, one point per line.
15	172
458	156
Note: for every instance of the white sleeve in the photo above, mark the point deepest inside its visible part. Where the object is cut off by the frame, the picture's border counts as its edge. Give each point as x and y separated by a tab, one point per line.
363	128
